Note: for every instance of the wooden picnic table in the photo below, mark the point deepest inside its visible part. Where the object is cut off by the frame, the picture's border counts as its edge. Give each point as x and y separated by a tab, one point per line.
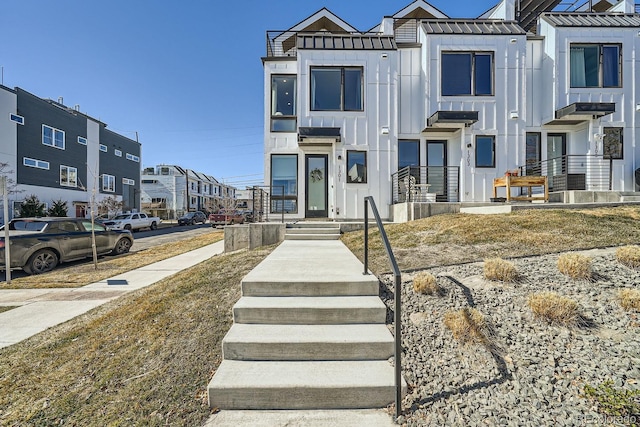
509	181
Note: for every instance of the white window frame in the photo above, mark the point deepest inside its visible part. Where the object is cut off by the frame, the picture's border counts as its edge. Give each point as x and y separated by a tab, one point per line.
69	169
82	140
110	183
103	148
53	137
39	164
117	152
16	118
133	158
127	181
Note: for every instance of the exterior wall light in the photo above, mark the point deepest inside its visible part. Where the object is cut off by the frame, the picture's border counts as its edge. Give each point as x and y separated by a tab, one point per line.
513	115
385	130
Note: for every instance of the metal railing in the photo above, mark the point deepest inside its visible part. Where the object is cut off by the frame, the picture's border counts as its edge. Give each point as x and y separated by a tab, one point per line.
262	198
397	318
426	184
572	172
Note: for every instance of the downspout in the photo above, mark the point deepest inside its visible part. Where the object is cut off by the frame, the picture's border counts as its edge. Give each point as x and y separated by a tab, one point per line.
186	197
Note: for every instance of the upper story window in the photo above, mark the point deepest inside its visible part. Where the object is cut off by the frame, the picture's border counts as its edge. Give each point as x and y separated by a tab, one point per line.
467	73
108	183
82	140
117	152
595	65
128	181
336	89
53	137
68	176
283	103
103	148
16	118
35	163
133	158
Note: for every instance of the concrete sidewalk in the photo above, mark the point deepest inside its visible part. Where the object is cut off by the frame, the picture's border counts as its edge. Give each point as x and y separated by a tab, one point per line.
40	309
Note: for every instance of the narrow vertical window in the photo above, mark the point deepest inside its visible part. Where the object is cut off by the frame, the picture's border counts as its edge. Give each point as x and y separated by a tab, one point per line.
284	183
357	167
283	103
485	151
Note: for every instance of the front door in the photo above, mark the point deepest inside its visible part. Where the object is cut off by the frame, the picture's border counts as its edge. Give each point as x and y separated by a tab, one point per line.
556	152
436	169
316	186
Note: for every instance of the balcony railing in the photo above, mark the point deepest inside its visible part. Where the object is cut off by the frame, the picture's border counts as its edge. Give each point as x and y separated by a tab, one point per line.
573	172
426	184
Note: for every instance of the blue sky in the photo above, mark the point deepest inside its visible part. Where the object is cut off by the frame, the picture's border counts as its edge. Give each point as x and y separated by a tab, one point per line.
186	75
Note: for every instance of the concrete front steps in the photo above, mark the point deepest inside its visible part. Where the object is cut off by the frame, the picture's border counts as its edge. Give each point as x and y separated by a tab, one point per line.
304	348
312	231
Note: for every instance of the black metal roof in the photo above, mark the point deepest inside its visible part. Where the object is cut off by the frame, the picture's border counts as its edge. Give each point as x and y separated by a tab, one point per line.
329	133
345	42
577	19
472	26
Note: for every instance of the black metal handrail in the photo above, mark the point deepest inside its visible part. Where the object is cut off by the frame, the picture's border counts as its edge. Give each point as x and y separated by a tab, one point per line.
573	172
397	354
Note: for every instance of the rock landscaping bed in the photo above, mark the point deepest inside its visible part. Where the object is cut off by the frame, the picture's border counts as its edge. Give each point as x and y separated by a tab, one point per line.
528	371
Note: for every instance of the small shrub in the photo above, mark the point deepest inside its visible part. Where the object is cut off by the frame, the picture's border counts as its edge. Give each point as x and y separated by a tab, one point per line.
613	401
425	283
630	299
554	308
629	256
575	266
468	326
499	269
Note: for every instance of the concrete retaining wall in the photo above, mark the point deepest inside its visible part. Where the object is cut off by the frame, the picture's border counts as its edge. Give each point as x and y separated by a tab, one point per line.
251	236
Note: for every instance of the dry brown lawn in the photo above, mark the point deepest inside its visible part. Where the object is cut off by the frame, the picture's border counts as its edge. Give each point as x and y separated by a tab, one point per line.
457	238
77	275
143	359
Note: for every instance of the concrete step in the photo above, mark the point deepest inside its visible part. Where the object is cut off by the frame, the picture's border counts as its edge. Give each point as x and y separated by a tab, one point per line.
310	310
355	286
307	342
302	385
308	236
630	198
308	230
313	224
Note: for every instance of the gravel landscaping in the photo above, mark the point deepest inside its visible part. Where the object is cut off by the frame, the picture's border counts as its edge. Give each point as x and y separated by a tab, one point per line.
534	373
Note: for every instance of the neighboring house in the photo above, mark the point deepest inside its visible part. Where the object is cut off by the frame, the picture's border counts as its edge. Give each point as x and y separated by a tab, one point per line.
169	191
447	105
58	153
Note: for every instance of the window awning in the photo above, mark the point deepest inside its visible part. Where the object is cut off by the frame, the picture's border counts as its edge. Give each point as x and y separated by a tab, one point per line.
450	121
579	112
318	135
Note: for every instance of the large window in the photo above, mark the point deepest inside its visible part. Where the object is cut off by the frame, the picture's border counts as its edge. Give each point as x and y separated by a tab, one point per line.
109	183
595	65
284	183
68	176
357	167
336	89
52	137
485	151
467	73
283	103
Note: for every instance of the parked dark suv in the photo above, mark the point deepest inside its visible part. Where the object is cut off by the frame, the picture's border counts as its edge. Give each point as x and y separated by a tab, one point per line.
192	217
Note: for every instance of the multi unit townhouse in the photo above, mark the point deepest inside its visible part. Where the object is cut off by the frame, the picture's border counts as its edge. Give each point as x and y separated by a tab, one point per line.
169	191
58	153
424	107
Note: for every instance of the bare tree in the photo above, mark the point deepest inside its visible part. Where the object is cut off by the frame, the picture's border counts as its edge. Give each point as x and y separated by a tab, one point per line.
109	206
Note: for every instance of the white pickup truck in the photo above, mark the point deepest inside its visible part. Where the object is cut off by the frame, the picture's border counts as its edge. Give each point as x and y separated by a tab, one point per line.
133	221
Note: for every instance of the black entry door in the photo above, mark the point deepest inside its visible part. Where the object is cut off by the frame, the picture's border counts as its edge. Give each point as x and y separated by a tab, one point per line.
316	186
436	169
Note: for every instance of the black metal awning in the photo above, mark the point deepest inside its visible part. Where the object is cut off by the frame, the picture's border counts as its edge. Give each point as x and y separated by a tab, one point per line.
450	121
579	112
318	135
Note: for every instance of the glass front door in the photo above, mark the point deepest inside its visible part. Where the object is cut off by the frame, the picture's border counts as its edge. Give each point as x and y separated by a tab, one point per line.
556	152
436	168
316	186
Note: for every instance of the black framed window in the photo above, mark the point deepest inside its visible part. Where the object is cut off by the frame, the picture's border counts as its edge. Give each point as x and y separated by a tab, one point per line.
283	103
467	73
485	151
612	146
357	167
337	89
595	65
533	157
284	183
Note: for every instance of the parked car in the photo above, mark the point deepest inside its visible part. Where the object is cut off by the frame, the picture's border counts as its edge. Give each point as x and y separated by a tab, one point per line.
39	244
133	221
192	218
226	218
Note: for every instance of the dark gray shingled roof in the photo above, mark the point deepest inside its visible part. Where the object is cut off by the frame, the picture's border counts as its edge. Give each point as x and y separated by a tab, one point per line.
471	26
345	42
576	19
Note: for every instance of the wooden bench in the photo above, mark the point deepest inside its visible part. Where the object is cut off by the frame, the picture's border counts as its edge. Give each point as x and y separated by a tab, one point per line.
509	181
